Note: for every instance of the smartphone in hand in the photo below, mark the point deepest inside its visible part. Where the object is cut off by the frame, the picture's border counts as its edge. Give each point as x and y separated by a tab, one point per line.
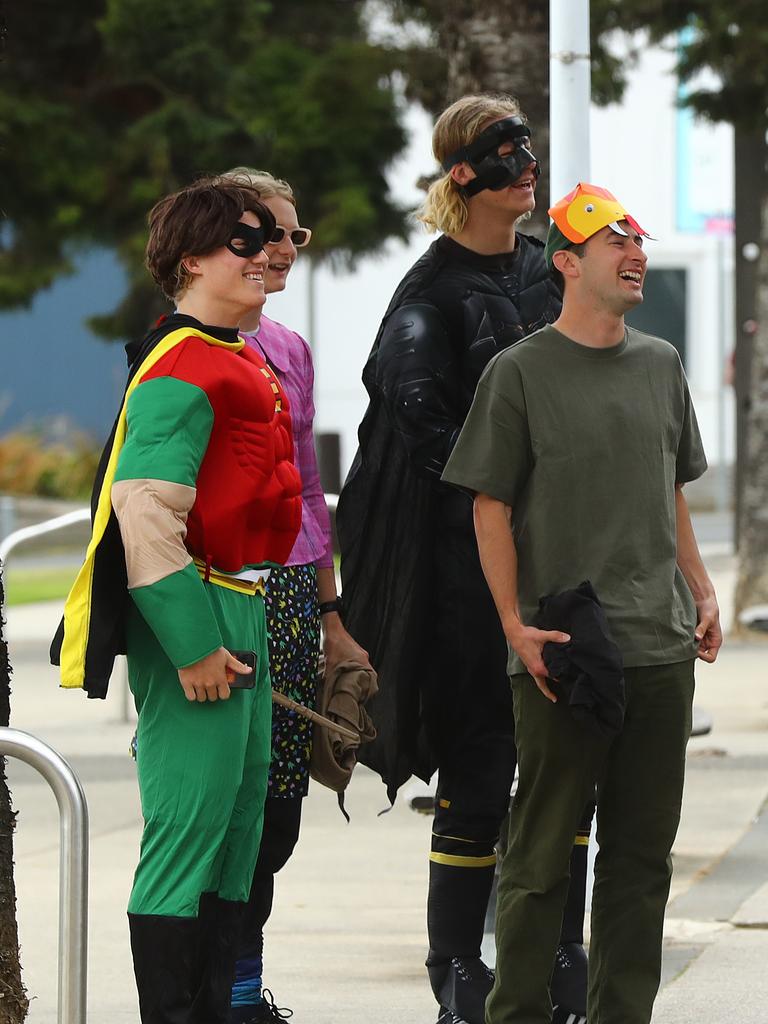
243	682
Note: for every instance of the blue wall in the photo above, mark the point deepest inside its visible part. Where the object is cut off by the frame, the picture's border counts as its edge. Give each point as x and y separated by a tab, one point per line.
52	366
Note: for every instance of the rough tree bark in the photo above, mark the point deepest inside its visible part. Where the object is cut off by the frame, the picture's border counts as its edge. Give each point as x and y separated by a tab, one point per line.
13	997
501	47
752	584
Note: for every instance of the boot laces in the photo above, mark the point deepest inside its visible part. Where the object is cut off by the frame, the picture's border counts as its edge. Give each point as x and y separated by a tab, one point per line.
274	1012
472	969
562	958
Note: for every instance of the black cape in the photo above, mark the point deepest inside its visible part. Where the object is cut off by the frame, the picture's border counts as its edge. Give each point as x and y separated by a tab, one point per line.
392	515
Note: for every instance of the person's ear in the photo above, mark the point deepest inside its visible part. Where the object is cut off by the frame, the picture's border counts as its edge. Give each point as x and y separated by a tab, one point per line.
566	262
462	173
192	265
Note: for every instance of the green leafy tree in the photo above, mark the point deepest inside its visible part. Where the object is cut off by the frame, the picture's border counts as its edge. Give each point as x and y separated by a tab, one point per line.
731	39
482	46
491	45
107	105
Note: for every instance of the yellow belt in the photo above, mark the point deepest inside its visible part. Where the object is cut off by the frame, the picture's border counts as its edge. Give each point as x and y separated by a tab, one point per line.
221	579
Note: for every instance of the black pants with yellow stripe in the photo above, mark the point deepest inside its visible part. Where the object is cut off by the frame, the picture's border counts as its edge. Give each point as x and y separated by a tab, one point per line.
471	803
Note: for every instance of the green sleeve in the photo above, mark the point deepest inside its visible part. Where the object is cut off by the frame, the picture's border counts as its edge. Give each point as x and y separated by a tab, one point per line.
179	613
493	452
169	424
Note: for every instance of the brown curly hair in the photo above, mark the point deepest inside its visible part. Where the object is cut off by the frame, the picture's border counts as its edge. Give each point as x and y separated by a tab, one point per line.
195	221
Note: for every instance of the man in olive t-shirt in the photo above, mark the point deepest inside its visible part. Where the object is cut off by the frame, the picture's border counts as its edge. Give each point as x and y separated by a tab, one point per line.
576	447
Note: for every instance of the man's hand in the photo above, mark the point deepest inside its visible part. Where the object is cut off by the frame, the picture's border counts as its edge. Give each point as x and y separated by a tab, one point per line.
207	679
708	632
339	646
528	642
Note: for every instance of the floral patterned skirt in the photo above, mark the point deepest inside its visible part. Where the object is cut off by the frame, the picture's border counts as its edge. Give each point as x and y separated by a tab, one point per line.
293	637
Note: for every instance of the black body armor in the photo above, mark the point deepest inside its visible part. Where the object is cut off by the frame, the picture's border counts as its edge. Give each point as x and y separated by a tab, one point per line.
413	590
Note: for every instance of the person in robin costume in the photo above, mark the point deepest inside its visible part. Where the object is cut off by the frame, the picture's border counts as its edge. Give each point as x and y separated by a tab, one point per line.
196	498
413	588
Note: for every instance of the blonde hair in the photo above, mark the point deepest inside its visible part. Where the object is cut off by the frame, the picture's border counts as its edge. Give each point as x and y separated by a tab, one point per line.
445	207
266	184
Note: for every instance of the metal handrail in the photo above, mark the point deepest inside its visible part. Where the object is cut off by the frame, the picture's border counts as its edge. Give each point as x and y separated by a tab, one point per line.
80	515
755	617
73	866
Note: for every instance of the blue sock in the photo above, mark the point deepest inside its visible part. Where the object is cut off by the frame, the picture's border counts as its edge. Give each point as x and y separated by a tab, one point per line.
246	990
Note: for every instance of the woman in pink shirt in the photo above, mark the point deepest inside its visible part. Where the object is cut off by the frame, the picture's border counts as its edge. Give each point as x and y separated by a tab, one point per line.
299	596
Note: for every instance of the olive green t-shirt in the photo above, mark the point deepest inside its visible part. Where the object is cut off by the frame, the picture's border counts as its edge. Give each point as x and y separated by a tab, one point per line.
586	446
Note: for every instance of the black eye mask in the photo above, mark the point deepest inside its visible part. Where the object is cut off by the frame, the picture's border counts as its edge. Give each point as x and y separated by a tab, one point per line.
493	171
252	240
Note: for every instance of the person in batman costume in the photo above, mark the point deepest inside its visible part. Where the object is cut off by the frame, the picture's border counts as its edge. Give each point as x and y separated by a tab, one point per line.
196	498
413	589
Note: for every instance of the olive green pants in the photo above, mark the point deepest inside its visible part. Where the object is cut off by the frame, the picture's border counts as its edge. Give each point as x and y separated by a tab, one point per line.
202	768
639	779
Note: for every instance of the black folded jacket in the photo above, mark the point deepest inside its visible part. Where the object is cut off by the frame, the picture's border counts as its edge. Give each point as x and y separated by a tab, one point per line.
588	670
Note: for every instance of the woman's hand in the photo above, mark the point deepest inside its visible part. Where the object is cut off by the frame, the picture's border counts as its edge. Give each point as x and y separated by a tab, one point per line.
339	646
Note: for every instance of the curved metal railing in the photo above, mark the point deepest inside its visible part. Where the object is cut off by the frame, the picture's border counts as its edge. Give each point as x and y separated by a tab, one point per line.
80	515
73	866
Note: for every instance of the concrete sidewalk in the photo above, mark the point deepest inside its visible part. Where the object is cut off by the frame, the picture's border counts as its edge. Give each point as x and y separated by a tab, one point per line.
347	940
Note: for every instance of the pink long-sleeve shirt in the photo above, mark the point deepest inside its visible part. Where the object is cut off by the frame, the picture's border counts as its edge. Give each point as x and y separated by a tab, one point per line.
290	357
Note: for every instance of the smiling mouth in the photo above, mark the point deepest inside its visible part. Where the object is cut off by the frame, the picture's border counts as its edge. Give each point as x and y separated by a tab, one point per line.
631	275
525	184
254	276
280	268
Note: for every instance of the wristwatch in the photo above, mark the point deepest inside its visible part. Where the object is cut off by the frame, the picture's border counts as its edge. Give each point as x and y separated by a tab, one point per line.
326	607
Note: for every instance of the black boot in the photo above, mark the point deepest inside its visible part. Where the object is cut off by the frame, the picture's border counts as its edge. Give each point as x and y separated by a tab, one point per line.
456	909
456	905
164	959
220	922
573	912
568	988
448	1017
461	987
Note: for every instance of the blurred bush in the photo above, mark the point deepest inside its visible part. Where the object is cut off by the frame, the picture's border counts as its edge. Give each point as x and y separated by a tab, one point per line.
31	465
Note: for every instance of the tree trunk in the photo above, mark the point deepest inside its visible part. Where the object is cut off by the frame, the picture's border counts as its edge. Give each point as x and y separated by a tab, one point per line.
751	181
493	47
13	997
752	585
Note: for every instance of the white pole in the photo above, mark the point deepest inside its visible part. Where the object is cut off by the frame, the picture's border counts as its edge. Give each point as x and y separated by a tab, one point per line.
569	95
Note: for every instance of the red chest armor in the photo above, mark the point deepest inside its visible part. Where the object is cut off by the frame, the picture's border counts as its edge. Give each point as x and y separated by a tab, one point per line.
248	505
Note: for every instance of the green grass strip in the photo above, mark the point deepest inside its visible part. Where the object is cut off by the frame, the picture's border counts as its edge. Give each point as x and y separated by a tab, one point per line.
25	586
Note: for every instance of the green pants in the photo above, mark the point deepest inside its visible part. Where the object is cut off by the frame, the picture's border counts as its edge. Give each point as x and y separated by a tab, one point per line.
202	768
639	779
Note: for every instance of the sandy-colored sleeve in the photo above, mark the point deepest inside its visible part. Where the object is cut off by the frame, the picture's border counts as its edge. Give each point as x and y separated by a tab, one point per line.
153	523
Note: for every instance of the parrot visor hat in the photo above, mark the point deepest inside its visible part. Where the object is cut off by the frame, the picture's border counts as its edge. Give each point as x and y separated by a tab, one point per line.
493	170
